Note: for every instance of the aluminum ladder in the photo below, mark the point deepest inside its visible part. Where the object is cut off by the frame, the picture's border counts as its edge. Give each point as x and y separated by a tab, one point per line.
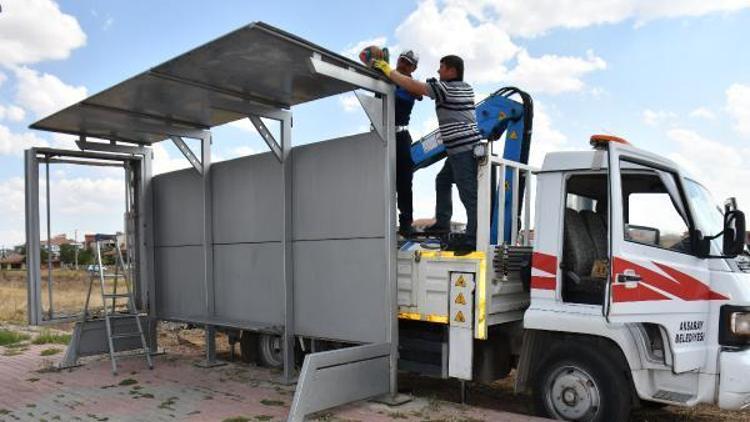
112	300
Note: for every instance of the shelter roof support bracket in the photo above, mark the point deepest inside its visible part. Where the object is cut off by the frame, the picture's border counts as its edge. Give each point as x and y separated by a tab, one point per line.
350	76
85	145
185	150
267	136
373	107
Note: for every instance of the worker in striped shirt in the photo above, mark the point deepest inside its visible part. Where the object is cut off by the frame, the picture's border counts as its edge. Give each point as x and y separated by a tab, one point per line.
454	105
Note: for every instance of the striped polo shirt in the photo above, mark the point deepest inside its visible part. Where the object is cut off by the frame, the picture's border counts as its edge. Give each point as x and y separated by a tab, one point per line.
454	104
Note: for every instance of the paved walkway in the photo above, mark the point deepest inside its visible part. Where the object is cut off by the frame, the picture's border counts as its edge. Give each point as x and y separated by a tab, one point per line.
178	390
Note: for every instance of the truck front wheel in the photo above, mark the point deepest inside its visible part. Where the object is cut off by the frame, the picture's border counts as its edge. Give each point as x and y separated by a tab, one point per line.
577	383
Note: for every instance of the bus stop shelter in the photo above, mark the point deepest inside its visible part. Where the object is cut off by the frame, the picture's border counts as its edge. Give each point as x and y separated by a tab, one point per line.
298	241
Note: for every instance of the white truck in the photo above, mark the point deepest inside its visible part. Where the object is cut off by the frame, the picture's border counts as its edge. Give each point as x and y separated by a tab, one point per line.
636	288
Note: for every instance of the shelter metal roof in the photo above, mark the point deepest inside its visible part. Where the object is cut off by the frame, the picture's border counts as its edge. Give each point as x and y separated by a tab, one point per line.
206	87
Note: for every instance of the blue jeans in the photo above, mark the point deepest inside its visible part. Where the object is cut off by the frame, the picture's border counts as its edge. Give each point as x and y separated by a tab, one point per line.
460	169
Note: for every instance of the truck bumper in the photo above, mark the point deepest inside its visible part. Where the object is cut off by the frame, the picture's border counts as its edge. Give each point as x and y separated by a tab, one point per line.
734	384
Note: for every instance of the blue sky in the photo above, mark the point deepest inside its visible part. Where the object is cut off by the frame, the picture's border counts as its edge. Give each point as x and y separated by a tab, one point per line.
671	76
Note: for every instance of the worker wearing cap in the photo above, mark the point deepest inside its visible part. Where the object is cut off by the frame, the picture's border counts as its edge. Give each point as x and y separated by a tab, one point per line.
454	105
406	65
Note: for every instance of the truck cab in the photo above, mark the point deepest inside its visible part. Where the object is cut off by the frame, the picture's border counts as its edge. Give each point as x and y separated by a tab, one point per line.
640	256
635	289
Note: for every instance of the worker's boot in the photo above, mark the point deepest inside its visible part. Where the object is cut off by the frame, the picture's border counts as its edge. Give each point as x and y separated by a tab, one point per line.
461	245
437	229
405	230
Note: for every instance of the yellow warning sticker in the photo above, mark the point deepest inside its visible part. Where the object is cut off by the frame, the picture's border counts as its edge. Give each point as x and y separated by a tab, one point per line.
460	299
513	135
459	317
460	282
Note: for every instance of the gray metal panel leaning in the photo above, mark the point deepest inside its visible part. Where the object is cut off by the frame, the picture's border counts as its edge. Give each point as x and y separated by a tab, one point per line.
340	376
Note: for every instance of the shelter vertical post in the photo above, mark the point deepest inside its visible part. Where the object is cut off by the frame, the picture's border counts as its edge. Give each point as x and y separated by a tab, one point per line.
208	247
33	266
145	237
287	242
389	129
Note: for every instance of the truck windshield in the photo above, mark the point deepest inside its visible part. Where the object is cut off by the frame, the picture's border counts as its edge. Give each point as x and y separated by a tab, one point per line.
709	218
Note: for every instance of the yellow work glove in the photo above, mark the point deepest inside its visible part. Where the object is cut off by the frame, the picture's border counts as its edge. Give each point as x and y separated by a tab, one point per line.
382	66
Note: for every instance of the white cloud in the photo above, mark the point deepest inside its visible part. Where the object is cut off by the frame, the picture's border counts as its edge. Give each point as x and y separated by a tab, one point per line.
531	18
544	137
243	124
738	106
434	32
95	201
12	212
3	77
44	93
12	113
719	168
703	113
349	102
656	117
554	74
12	192
242	151
436	29
14	143
85	197
164	162
36	30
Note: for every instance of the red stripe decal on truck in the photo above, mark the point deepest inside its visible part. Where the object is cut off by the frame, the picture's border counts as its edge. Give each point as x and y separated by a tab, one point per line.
544	283
677	284
544	263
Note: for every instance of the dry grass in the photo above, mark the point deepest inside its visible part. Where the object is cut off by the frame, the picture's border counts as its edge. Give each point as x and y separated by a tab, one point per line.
69	290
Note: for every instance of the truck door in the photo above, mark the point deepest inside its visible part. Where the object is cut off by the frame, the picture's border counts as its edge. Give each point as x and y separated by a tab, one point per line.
655	275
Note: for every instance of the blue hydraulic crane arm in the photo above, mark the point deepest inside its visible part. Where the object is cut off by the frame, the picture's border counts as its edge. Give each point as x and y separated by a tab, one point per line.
496	115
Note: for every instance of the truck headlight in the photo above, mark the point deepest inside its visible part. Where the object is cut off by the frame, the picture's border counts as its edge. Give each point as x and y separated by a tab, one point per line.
739	323
734	326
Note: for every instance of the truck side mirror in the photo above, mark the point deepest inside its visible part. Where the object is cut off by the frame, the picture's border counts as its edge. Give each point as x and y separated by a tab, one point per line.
701	244
734	233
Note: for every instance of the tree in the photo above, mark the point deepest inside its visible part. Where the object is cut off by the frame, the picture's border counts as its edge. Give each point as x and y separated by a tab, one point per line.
68	254
85	257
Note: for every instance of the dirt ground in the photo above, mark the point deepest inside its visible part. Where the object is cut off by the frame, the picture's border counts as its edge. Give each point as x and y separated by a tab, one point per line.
243	388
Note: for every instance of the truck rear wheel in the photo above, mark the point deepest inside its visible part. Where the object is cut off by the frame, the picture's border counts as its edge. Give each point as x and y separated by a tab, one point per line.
581	384
270	351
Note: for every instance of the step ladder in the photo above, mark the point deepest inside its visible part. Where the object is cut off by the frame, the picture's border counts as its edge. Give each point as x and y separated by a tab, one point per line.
118	305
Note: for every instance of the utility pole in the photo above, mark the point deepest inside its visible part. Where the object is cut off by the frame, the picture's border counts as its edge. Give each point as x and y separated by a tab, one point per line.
75	242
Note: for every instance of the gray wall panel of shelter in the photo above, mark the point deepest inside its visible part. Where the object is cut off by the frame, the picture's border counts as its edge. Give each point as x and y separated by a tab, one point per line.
178	208
247	199
180	293
249	285
339	289
339	193
339	247
339	188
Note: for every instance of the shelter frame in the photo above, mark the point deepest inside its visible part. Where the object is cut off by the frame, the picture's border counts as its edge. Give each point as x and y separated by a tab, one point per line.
139	112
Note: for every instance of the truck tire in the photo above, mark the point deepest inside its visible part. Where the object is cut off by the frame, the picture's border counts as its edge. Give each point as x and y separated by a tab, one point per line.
581	383
270	351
